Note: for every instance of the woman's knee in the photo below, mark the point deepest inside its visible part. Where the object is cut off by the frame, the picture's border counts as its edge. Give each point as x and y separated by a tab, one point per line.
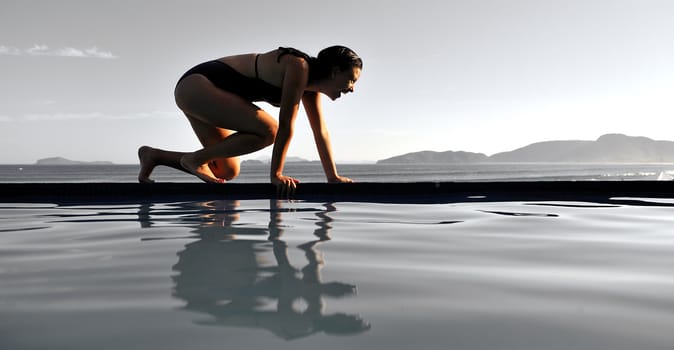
226	168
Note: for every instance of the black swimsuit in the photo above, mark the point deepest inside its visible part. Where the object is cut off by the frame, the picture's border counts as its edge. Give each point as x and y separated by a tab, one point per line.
227	78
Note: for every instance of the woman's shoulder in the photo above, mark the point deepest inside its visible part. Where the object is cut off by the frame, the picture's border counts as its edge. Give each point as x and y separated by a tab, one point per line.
287	58
290	51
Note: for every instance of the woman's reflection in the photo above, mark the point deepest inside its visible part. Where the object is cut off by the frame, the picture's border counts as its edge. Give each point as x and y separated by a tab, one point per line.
227	277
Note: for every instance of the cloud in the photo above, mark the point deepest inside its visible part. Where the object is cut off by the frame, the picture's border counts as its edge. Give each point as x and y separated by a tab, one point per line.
44	50
39	117
9	51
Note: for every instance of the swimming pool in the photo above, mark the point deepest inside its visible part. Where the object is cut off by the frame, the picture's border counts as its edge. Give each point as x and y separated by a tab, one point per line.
257	273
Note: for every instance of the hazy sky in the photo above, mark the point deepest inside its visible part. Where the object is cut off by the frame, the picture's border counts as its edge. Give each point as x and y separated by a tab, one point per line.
93	80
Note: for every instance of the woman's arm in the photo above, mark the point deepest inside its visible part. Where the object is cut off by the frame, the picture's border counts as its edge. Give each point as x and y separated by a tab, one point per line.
294	82
312	105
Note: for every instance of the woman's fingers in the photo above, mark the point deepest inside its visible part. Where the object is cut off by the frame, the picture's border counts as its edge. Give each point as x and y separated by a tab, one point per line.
340	179
346	180
286	187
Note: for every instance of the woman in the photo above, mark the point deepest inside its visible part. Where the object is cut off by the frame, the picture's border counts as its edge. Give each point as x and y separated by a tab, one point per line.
217	99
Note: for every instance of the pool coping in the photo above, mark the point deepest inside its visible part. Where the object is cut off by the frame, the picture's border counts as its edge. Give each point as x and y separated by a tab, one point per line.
386	192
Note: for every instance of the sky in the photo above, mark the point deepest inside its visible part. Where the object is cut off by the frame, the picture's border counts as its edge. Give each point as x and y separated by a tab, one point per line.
93	79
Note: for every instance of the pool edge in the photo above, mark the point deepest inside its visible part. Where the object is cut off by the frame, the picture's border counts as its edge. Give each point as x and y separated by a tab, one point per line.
409	192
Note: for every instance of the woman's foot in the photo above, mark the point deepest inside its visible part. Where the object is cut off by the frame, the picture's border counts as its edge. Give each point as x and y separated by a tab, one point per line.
202	171
147	164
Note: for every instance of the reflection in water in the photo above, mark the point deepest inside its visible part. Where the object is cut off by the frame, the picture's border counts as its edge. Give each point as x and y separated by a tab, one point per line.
225	276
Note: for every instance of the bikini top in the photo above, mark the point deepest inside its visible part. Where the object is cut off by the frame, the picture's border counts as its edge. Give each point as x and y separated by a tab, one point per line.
285	51
269	92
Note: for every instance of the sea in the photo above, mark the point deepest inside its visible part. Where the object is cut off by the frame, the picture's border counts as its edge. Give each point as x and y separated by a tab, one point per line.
312	172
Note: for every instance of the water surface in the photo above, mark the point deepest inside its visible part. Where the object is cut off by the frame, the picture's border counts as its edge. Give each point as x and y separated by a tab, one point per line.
286	275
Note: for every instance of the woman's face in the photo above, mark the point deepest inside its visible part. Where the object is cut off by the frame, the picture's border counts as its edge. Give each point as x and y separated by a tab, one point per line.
341	82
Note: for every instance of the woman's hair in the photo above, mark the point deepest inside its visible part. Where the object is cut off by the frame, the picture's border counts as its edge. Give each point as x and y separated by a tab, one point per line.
321	67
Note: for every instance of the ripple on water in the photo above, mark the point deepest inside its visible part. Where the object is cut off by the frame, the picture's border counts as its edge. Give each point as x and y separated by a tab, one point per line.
258	273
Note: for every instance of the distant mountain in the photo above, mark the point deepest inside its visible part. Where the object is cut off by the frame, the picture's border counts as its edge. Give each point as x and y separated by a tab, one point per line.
296	160
64	161
268	160
252	161
609	148
437	157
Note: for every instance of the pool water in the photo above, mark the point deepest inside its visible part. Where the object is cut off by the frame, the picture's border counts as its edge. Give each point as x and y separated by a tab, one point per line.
258	274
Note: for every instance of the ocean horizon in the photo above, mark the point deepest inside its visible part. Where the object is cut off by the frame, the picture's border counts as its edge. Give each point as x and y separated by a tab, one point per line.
361	172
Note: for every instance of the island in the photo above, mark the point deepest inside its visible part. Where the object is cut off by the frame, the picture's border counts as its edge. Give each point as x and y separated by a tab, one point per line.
609	148
64	161
268	161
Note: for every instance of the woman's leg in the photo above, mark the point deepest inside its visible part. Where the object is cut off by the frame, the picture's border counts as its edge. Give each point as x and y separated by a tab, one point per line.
223	168
214	114
151	157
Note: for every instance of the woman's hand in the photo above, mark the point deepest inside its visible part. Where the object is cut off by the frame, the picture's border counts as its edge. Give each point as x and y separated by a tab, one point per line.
339	179
286	186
